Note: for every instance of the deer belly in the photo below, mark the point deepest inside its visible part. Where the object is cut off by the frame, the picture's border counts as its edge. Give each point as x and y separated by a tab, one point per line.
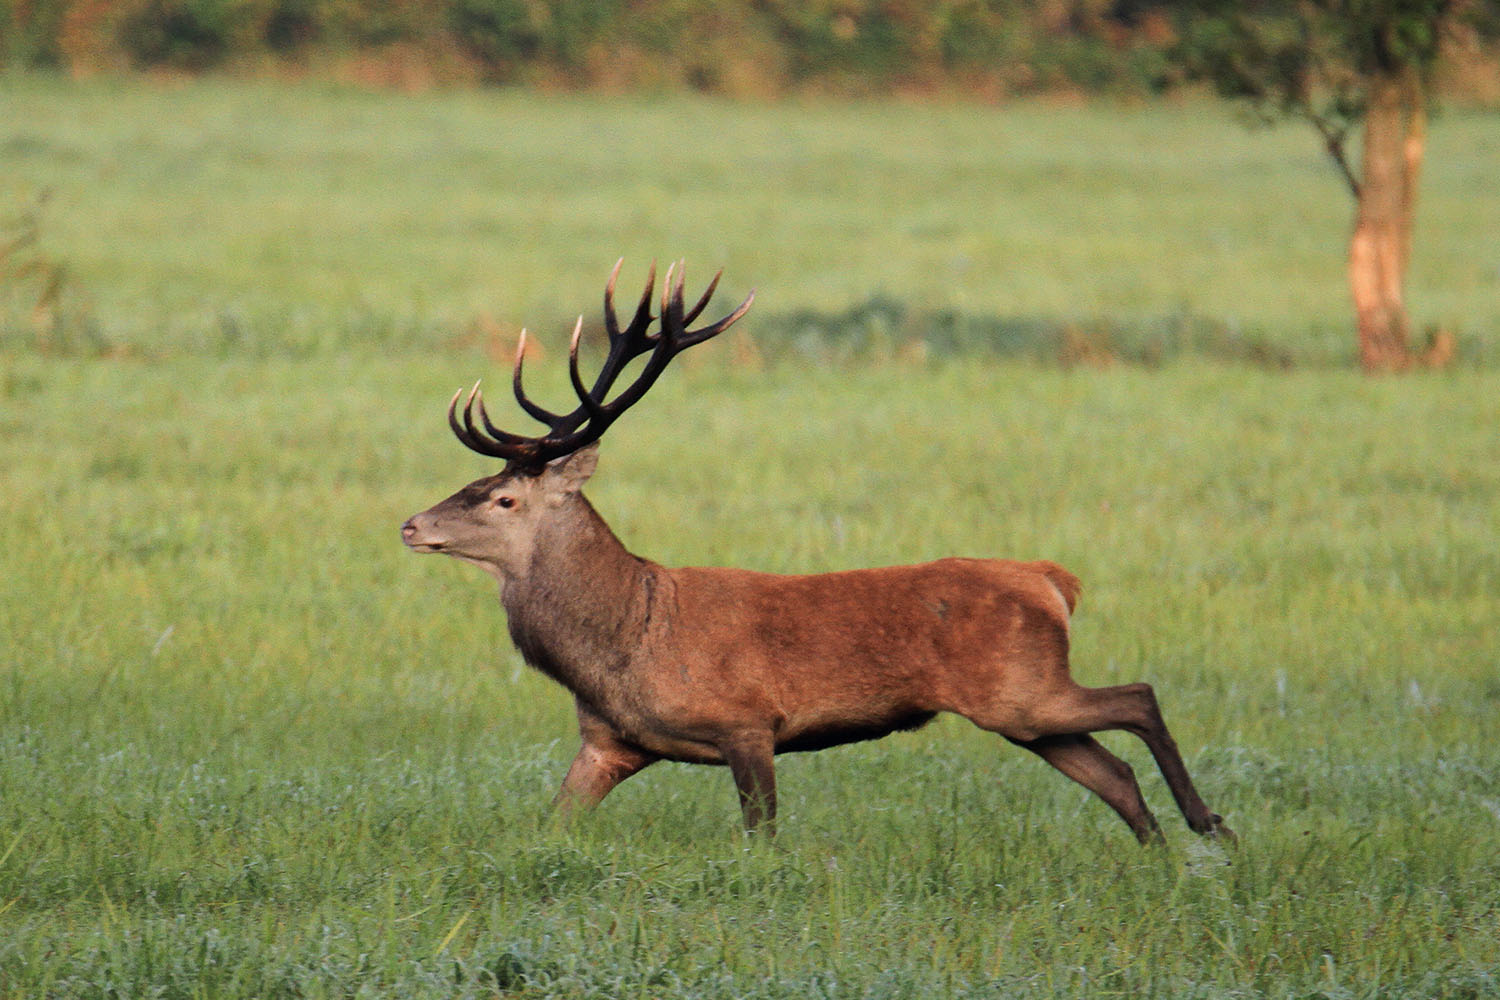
818	734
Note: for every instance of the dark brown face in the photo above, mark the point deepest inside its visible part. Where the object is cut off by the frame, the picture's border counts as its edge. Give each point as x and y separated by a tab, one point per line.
493	522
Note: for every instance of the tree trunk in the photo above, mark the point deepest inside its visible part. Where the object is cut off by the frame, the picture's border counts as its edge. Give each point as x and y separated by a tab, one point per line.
1380	247
1412	152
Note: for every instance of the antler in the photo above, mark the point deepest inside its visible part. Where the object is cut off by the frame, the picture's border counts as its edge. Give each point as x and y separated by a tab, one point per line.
570	431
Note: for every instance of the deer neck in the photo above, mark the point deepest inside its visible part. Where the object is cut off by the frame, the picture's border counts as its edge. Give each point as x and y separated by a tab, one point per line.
580	611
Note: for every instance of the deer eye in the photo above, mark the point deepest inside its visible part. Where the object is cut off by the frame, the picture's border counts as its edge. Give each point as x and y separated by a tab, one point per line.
506	502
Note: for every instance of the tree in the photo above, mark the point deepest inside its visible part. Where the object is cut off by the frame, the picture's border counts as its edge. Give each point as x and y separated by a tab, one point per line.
1339	65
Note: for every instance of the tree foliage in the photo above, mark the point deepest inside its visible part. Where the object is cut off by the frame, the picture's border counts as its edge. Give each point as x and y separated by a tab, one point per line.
1313	59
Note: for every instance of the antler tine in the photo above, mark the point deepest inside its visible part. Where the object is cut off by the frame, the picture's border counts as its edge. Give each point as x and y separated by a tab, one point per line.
540	413
642	318
698	336
611	321
457	428
595	411
672	320
703	301
505	445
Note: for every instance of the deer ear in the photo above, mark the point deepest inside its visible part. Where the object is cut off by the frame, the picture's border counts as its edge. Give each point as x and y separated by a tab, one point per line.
570	472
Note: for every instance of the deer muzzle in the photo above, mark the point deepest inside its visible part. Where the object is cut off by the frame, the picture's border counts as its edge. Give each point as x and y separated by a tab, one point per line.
419	537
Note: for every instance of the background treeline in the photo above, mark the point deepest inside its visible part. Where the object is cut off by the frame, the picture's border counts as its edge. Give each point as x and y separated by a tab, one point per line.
736	47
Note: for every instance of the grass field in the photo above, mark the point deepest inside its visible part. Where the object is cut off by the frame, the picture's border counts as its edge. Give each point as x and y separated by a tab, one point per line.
260	219
250	747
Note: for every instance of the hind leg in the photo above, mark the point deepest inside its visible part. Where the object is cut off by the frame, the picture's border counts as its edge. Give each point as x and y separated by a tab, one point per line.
1062	708
1083	759
1133	708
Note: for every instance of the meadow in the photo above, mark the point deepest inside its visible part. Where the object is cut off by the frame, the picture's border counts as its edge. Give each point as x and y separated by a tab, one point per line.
251	747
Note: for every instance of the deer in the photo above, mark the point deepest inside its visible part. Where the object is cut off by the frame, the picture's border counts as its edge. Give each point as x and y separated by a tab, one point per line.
730	667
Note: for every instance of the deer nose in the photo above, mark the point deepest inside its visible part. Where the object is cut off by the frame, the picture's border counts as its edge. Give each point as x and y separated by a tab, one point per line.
408	529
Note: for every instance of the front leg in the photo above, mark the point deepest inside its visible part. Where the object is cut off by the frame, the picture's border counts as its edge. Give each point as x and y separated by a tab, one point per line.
602	762
751	760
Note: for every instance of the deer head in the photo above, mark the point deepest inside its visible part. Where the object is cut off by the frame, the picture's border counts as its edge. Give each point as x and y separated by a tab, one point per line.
497	522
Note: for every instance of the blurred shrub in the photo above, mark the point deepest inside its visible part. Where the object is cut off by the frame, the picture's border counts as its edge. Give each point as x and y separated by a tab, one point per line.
289	26
367	23
759	47
498	33
181	34
30	33
505	36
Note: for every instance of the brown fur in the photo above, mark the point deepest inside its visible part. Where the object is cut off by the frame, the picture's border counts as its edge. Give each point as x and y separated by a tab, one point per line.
729	667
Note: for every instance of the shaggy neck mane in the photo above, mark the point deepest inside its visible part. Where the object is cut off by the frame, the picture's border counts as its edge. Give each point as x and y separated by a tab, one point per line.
581	608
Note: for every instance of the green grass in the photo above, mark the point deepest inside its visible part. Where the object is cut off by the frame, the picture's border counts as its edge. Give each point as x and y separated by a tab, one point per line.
250	747
235	218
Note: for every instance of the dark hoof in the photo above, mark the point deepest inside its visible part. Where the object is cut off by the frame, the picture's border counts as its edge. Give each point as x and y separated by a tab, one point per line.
1219	831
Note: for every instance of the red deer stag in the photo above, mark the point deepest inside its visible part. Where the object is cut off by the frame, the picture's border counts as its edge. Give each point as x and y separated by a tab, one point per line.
727	666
